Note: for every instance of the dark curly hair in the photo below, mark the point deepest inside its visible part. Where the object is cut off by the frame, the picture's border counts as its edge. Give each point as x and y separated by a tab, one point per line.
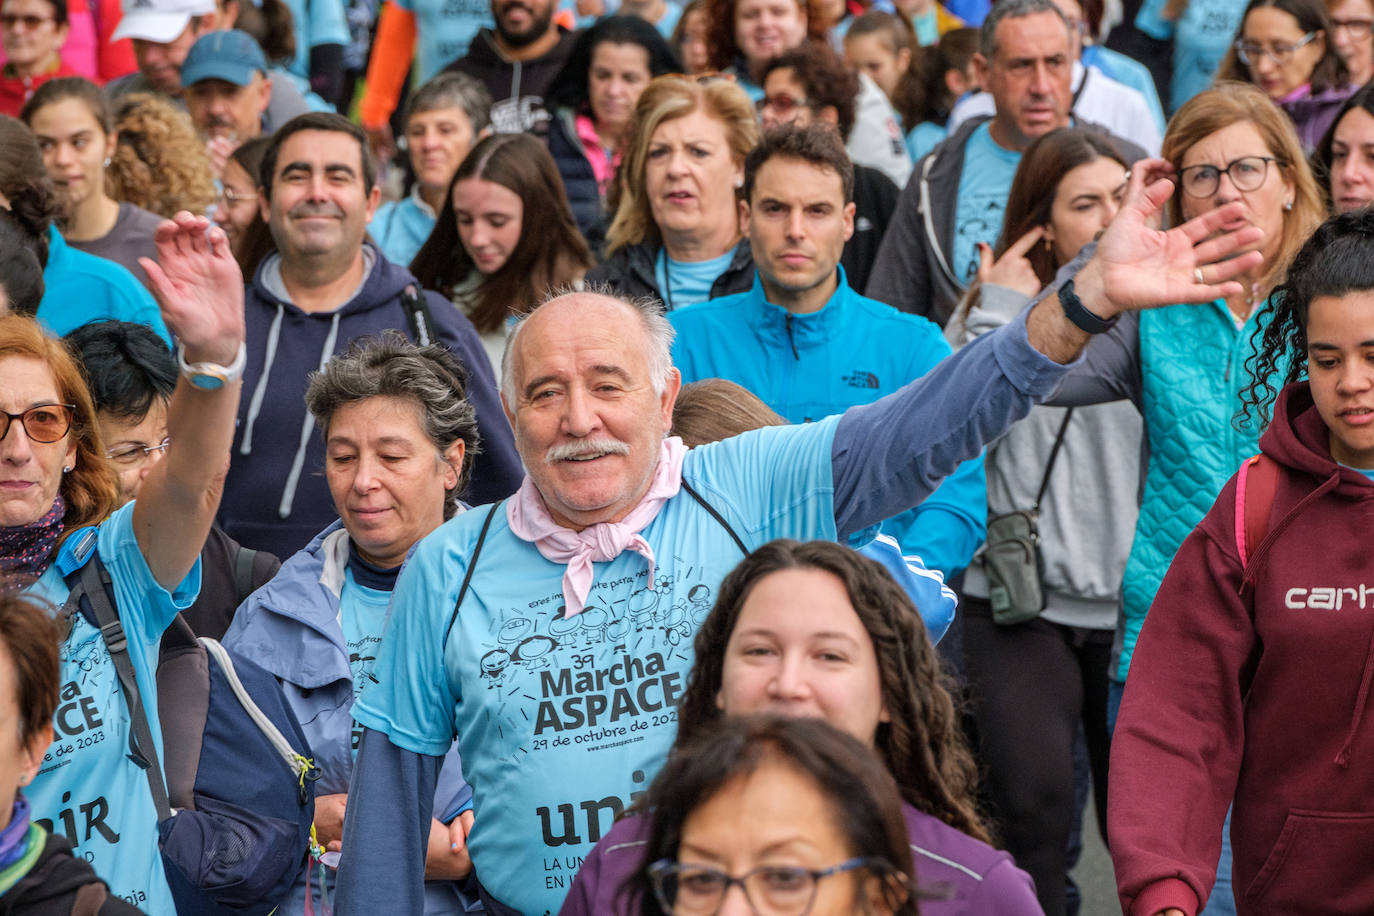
720	33
1338	259
24	183
922	745
825	78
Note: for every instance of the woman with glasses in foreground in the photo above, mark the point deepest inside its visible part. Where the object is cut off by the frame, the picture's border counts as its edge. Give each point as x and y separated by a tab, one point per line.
778	816
1285	48
817	631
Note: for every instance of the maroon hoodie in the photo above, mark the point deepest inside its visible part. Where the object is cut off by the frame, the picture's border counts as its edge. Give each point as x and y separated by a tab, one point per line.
1259	697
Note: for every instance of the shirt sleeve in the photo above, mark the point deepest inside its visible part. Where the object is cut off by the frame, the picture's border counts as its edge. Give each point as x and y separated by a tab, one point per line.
145	607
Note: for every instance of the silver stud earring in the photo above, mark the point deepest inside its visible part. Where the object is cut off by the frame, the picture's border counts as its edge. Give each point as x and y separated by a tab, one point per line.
67	469
107	162
1287	205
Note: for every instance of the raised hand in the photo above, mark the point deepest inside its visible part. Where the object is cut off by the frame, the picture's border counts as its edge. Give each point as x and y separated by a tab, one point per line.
1012	269
1137	266
199	287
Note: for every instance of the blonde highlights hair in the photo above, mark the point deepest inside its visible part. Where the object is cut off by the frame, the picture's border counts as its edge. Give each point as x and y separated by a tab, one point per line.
1229	103
665	99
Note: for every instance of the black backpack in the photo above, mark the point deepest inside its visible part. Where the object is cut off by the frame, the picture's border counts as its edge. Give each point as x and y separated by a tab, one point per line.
235	811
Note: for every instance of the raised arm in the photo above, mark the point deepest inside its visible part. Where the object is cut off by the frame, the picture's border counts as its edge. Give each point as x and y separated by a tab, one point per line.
199	288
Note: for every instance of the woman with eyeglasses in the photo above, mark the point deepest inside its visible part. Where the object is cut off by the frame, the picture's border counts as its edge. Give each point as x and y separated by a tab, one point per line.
32	33
59	510
779	816
818	631
236	207
1351	22
1283	48
71	120
132	375
1185	367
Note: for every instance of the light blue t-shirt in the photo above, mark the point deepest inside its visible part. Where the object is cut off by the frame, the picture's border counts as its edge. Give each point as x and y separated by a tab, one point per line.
315	23
927	27
362	617
1201	37
443	31
400	228
686	283
88	789
562	722
983	189
922	138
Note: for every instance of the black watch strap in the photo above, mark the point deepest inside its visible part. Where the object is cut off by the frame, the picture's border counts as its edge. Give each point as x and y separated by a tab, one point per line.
1079	315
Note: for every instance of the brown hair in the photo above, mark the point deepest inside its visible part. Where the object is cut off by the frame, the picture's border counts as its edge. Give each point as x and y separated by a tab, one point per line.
31	638
668	98
922	745
720	31
24	182
825	77
922	93
551	253
91	488
1229	103
160	164
714	409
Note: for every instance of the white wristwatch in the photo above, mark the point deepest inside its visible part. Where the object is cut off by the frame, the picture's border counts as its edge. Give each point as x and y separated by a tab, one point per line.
212	376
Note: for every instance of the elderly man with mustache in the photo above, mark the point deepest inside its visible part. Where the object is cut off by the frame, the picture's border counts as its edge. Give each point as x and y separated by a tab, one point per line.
553	632
325	285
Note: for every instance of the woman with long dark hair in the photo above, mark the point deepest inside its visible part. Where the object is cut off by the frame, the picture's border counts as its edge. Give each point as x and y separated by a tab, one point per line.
1344	162
505	237
816	630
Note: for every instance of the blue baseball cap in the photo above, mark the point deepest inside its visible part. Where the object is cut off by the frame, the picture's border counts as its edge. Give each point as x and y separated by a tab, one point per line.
228	55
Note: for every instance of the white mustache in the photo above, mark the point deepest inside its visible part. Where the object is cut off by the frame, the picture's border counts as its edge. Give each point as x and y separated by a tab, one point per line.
584	448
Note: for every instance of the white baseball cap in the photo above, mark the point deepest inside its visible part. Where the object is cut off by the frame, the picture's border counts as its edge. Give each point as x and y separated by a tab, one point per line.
159	20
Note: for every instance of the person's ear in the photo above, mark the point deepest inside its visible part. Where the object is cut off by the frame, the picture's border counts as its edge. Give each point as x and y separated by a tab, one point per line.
1049	233
982	69
903	60
669	398
744	213
849	221
264	206
264	92
453	458
830	115
31	755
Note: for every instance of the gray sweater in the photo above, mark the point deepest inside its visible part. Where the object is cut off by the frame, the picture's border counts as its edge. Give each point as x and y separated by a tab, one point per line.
1088	516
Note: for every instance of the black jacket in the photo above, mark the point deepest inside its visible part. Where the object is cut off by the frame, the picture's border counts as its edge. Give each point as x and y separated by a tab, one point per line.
875	200
579	181
630	271
56	882
517	88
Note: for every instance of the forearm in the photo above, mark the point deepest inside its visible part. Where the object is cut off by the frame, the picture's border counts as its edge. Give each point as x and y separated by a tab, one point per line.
178	501
889	455
390	795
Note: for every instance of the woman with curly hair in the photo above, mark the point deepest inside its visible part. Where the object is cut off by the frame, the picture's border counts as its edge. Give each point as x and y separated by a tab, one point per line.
816	630
71	120
160	164
1251	679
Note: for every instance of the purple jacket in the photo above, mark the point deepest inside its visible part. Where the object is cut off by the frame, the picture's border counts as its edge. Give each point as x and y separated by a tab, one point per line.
1313	115
977	878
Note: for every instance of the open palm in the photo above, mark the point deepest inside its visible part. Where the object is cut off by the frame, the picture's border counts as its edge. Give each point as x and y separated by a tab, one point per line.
1141	266
198	286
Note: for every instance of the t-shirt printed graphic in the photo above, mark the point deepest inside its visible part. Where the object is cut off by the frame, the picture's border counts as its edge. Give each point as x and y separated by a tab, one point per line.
983	189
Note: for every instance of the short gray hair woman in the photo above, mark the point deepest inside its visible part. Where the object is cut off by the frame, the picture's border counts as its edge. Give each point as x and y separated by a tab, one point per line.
443	119
399	439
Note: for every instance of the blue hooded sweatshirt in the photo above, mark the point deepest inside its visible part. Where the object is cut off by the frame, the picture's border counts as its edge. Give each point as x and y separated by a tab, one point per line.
276	497
852	351
79	288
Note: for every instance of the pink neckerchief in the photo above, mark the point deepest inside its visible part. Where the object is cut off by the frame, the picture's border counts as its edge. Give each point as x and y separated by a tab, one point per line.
530	521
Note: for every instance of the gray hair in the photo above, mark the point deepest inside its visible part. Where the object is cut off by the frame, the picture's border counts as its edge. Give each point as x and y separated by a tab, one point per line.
389	365
657	329
1012	9
453	90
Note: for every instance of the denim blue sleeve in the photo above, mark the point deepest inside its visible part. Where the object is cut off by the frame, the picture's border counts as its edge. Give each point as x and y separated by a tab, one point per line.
452	794
386	830
890	455
948	527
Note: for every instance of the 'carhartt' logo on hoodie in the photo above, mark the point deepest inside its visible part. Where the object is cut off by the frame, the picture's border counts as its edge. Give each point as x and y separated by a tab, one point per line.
1328	598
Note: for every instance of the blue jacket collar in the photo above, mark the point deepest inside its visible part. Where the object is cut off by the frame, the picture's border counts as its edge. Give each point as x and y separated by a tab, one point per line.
777	326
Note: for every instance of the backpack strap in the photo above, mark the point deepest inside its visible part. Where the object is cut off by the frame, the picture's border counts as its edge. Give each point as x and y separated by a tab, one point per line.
243	573
93	581
715	515
472	564
1256	482
418	316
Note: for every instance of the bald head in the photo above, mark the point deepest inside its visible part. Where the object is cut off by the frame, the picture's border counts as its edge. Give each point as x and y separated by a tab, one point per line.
587	311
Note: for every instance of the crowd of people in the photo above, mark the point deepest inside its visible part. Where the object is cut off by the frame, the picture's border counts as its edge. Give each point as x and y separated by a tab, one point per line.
644	457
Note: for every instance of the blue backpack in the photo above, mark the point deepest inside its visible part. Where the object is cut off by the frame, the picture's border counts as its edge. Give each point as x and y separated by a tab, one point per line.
235	811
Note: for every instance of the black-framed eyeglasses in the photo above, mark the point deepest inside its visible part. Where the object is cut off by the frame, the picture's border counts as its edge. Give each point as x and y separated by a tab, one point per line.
1247	173
1250	52
131	455
1359	29
783	103
44	423
770	890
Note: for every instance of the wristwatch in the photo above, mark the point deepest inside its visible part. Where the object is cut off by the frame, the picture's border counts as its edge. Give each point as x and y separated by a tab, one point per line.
1075	311
212	376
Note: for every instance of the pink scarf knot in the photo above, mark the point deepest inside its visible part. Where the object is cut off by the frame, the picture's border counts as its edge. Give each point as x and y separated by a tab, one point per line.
530	521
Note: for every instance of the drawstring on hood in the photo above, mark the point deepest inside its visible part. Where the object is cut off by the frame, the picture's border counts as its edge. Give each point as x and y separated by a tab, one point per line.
260	391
